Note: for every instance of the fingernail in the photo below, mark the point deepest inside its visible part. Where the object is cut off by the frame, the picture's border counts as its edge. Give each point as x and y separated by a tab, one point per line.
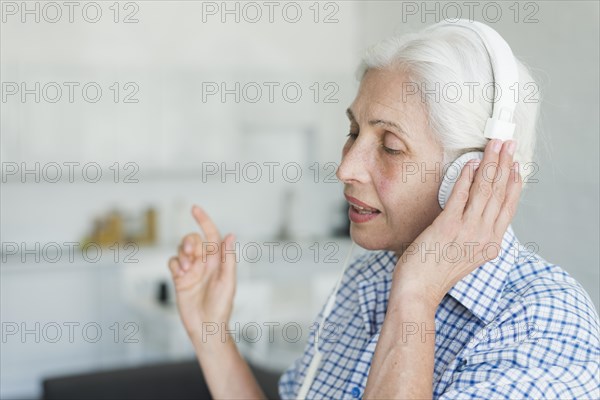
496	145
188	247
511	147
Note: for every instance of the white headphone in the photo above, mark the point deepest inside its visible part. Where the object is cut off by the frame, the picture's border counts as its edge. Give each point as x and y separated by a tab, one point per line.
499	125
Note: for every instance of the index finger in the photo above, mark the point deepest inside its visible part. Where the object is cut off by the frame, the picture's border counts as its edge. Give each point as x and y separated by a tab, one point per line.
206	224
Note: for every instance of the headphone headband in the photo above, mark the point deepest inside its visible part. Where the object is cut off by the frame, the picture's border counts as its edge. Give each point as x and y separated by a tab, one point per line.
505	73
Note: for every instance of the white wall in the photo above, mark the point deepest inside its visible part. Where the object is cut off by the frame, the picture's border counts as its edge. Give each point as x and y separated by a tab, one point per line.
171	133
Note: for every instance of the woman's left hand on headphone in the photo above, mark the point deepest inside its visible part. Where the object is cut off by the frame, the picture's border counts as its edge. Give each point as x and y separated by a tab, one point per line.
467	233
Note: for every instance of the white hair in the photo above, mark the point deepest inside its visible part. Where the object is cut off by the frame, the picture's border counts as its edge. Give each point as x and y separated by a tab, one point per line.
441	58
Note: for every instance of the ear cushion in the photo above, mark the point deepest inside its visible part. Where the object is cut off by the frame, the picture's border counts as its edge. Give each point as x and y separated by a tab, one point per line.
452	174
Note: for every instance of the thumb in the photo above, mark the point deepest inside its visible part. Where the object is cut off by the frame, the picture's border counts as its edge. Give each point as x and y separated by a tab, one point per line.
228	257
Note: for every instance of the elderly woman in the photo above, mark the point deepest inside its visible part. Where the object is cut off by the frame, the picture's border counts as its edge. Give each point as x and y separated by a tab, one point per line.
411	319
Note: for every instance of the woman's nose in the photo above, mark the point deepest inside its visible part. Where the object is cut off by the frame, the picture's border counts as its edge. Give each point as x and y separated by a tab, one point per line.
353	167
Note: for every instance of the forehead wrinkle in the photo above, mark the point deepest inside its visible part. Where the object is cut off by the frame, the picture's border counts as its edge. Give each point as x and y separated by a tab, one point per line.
391	122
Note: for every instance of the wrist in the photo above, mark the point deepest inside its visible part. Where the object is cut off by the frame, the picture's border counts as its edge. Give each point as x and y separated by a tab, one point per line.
410	289
211	338
416	303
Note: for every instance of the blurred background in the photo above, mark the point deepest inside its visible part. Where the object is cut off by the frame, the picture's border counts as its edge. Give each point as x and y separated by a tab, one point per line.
116	117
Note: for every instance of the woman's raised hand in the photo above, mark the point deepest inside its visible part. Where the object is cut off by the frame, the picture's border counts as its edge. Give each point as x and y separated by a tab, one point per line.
480	208
204	273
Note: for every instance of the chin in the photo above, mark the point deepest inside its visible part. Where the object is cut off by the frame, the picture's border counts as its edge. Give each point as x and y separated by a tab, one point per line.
366	239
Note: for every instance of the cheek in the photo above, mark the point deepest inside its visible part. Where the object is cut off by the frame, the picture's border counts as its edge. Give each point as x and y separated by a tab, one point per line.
405	196
393	193
387	184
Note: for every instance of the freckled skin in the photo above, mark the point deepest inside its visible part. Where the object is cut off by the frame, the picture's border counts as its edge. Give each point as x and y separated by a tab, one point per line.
408	202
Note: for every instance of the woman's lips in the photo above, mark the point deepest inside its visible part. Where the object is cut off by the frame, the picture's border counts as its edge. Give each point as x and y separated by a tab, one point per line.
359	204
359	212
358	217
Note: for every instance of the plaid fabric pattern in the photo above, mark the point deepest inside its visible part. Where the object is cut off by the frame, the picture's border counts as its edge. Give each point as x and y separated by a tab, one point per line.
517	327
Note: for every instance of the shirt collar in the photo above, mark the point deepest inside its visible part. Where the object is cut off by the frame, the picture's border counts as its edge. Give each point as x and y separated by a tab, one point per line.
479	292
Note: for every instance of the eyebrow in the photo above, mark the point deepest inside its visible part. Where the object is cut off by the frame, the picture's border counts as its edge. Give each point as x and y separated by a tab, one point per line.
380	122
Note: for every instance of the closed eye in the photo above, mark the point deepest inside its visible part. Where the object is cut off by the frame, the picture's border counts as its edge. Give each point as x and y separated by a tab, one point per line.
388	150
391	151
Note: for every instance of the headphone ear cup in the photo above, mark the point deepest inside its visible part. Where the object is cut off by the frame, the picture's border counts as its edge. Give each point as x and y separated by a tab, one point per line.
452	174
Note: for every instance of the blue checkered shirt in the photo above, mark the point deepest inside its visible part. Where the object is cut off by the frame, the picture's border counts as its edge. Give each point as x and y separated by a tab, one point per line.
516	327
